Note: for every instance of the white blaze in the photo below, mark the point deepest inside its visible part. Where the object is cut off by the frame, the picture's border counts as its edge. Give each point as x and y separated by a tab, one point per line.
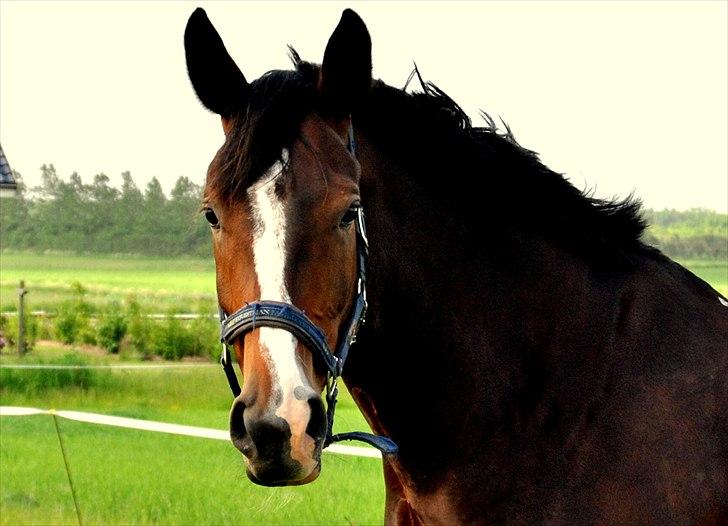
277	345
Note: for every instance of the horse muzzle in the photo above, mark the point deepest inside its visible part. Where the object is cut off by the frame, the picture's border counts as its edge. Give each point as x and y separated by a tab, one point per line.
274	455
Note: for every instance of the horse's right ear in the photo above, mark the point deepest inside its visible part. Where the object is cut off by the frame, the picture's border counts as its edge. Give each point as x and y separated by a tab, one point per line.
217	80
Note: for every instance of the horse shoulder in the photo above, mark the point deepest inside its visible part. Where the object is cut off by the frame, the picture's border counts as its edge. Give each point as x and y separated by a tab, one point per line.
658	444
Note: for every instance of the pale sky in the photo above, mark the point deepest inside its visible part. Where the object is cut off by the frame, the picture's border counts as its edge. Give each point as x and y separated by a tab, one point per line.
620	96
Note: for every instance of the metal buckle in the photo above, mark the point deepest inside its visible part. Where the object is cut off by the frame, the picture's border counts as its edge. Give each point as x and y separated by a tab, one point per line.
225	355
361	227
331	386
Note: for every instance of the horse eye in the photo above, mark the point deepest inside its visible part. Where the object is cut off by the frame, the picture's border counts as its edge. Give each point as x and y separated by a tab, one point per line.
212	217
349	216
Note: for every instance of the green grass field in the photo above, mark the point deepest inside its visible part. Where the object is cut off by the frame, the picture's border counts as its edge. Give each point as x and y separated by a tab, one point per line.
137	477
713	272
197	396
157	284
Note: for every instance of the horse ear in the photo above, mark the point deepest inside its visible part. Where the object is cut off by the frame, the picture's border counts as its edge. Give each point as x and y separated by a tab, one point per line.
217	80
346	71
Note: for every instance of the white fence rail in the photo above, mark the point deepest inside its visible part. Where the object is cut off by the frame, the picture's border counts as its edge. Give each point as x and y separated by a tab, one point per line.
163	427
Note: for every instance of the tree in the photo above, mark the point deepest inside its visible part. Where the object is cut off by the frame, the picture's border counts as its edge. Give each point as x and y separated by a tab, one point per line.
184	221
50	181
154	195
15	225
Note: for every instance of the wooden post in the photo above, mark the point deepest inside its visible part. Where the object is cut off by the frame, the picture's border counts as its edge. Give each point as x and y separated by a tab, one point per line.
21	318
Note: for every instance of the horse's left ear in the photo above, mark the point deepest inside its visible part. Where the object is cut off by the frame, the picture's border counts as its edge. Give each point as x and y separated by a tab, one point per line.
346	71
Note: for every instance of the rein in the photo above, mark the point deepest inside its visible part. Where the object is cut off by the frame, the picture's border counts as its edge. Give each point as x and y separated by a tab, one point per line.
286	316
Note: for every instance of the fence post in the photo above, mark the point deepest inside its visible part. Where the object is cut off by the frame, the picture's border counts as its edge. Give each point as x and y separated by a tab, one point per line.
21	318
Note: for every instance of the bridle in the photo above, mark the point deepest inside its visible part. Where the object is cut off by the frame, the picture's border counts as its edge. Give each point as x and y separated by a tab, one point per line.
286	316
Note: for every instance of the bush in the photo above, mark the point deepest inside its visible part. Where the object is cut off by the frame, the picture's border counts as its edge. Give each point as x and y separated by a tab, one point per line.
169	338
206	332
45	327
111	328
9	330
179	339
139	329
73	324
127	326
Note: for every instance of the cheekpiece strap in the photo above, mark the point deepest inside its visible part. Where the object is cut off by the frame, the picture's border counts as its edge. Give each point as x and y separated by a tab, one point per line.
226	360
351	146
227	366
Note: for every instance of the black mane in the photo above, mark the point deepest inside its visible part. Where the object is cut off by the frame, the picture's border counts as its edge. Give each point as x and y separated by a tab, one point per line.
433	137
428	133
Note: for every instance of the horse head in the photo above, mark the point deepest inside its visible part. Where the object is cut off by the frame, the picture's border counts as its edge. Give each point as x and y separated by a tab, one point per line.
282	199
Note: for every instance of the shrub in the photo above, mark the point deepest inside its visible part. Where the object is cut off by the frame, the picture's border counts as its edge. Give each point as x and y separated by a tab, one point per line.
73	324
68	323
206	332
9	329
45	328
111	328
139	329
173	339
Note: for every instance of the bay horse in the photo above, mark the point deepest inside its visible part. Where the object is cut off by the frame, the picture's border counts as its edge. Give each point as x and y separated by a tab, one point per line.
532	359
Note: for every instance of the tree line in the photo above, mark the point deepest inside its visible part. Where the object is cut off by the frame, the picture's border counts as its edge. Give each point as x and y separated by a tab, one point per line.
98	218
691	234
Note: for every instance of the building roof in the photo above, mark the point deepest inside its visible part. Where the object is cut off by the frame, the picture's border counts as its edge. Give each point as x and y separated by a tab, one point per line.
6	174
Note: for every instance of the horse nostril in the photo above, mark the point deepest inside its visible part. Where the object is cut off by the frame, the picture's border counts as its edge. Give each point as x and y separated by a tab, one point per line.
237	427
316	427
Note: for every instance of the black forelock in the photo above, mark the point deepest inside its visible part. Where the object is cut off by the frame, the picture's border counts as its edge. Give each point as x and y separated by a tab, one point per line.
276	105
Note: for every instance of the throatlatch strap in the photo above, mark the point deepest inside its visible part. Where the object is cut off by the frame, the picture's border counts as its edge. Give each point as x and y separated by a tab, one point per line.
384	444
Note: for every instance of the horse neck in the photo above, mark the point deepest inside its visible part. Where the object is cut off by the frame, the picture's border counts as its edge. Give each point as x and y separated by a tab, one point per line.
460	333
